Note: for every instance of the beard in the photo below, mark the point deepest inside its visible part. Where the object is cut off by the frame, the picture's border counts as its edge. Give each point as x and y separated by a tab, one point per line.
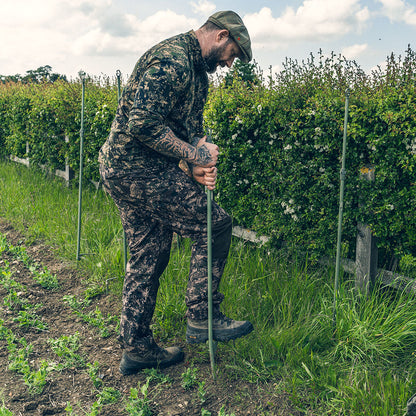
213	58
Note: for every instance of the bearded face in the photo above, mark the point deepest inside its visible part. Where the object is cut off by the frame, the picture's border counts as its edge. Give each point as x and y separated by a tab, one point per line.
215	57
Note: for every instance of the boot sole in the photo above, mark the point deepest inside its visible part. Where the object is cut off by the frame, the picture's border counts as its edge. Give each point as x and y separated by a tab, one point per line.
198	336
128	366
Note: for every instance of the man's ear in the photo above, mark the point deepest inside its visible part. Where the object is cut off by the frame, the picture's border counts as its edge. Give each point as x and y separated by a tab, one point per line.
222	34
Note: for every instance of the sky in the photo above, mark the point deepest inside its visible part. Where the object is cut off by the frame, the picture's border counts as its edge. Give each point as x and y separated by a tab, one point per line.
103	36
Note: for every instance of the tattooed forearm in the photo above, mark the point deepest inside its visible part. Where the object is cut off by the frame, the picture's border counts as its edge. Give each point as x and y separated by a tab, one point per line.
170	145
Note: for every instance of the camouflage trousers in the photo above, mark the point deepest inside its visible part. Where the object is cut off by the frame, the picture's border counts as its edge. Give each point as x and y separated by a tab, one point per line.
153	203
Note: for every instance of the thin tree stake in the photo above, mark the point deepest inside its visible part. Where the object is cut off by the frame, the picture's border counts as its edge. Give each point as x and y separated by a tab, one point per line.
81	151
341	208
211	343
209	237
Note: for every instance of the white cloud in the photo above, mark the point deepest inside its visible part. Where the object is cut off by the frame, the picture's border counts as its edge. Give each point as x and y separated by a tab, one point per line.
399	11
313	20
203	7
141	34
50	32
354	51
165	22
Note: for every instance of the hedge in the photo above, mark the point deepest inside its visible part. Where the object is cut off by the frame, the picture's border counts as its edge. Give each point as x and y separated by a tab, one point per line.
281	143
43	114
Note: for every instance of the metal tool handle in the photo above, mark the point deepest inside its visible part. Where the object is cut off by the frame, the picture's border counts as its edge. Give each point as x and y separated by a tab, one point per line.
209	262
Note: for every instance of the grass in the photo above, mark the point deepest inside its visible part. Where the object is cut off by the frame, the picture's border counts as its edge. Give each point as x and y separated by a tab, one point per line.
366	364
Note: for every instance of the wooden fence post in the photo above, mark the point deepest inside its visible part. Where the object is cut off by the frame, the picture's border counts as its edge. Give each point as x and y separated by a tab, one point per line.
68	173
23	160
366	257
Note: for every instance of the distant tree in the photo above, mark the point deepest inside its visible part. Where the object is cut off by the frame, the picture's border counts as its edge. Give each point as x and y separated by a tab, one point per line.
36	76
10	78
246	72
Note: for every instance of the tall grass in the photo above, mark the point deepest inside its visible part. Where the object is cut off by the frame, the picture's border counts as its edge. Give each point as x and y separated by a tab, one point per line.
42	207
365	364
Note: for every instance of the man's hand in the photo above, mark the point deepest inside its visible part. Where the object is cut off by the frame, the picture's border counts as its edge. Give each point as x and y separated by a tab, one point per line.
205	176
206	154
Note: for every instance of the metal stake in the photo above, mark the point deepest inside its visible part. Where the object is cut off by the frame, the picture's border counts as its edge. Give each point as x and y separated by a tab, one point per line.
341	207
209	236
81	150
211	343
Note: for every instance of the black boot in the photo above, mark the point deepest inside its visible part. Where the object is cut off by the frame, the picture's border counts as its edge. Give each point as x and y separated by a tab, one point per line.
224	329
149	355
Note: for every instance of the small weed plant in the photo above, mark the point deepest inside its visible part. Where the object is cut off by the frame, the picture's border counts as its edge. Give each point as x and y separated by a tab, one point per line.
202	392
66	348
93	371
189	378
106	325
4	411
154	375
29	319
138	403
39	273
35	380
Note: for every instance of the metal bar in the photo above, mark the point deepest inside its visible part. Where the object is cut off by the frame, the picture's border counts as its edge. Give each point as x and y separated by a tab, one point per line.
81	151
341	207
210	330
211	343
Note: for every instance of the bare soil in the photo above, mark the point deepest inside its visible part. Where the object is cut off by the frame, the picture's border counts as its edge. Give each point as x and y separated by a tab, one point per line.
74	385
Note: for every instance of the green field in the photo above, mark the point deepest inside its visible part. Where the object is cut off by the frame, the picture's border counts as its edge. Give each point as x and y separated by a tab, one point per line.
365	364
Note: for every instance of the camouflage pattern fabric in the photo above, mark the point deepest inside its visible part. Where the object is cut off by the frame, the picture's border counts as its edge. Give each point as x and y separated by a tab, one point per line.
154	203
168	89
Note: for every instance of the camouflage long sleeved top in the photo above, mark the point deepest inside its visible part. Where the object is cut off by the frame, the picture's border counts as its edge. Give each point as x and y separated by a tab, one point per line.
167	90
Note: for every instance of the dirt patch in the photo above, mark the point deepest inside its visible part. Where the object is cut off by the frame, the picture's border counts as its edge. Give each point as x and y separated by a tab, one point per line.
75	386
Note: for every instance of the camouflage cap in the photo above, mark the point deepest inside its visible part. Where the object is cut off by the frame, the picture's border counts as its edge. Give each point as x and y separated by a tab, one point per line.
232	22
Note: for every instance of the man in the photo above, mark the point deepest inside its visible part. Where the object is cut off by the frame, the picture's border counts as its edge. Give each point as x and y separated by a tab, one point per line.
158	125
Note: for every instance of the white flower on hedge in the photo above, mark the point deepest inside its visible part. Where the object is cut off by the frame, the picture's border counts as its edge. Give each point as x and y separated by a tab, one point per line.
287	147
256	132
287	209
234	136
321	170
270	142
320	148
412	147
318	131
259	108
390	207
238	119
